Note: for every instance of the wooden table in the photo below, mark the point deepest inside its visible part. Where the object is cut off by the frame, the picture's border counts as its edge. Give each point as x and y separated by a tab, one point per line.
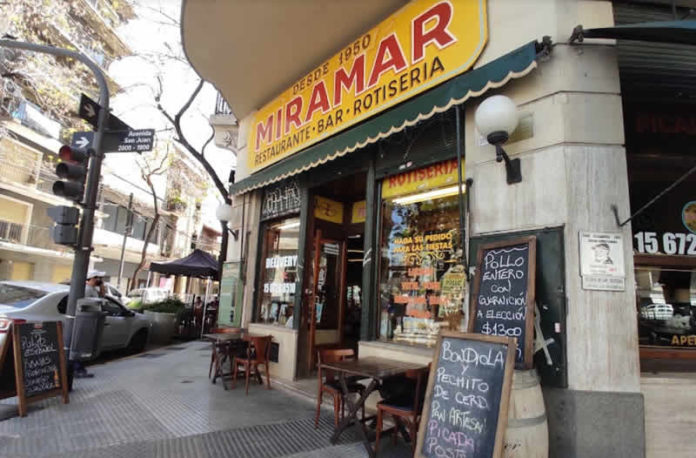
374	368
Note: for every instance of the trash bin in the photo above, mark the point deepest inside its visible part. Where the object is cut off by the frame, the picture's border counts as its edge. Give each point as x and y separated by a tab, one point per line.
87	329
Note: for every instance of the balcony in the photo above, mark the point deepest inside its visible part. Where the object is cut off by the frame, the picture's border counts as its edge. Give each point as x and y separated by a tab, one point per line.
31	116
104	19
225	125
221	107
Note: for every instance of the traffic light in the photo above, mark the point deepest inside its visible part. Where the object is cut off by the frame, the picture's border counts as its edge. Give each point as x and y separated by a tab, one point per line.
73	167
65	230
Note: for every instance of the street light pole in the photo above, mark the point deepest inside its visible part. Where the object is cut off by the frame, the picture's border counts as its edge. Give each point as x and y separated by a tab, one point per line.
84	243
128	230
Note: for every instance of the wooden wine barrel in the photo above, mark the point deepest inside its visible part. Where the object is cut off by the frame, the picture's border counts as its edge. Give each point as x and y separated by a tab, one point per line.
527	433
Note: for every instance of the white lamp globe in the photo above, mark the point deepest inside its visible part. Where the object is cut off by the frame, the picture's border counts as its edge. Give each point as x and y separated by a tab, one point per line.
224	212
496	114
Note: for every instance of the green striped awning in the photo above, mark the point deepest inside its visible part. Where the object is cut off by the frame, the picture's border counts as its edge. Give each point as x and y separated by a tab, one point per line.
495	74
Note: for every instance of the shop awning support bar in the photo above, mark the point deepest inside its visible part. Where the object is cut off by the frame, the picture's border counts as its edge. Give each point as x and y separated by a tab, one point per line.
615	209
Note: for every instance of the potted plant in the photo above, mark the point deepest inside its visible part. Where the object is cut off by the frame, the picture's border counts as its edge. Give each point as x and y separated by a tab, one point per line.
164	316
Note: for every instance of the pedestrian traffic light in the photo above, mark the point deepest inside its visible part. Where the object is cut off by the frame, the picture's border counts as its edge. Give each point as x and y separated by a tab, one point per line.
65	230
73	167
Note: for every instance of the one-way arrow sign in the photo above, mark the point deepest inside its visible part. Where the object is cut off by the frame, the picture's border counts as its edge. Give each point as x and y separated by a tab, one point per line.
82	139
89	111
130	141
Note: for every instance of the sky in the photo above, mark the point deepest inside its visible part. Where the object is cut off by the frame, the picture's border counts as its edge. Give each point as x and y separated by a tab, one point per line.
155	39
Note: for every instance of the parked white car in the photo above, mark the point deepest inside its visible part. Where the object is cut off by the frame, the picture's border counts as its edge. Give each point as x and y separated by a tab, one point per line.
147	295
35	301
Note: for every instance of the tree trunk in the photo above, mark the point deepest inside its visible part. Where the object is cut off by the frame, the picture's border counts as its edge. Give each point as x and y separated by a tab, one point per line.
151	231
143	254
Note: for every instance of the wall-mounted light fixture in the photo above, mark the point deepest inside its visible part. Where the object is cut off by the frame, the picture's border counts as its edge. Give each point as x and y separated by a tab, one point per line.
496	118
224	214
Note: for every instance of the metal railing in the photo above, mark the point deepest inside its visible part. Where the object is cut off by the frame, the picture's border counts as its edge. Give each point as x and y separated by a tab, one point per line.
10	232
221	106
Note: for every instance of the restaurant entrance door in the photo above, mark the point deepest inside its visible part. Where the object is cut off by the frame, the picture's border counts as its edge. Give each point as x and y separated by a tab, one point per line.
326	306
333	270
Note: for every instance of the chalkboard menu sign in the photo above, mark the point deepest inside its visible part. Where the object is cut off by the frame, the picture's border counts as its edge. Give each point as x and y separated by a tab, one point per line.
465	409
39	361
503	294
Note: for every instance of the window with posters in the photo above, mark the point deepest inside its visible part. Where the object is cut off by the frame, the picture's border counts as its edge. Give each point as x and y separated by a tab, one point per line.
422	279
660	151
278	272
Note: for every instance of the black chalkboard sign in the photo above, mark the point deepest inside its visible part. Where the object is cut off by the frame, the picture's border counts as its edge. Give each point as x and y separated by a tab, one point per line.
503	294
39	361
465	409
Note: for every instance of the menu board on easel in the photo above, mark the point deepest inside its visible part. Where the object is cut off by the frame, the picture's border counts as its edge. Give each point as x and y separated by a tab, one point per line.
466	404
504	293
33	354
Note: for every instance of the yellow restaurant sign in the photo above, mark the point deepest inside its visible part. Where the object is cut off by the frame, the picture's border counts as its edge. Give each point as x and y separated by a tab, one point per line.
423	44
433	176
358	212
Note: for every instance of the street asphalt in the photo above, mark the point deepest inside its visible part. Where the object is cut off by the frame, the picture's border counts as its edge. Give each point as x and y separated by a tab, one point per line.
162	404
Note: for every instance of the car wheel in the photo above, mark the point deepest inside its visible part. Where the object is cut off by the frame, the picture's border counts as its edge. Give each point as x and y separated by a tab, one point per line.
137	342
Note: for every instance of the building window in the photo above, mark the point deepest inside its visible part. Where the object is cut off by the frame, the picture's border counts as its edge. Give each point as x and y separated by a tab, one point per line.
139	227
666	299
110	217
278	269
422	280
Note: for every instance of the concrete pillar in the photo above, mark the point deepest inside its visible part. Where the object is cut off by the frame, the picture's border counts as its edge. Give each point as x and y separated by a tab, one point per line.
574	170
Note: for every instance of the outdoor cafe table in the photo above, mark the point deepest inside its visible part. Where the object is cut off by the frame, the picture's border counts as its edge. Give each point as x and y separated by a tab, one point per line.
374	368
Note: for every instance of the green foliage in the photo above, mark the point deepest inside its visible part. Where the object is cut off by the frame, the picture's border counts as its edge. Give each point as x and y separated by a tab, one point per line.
170	305
136	305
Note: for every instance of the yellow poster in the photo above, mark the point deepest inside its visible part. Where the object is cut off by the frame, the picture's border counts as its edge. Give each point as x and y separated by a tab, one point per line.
423	179
358	212
328	210
423	44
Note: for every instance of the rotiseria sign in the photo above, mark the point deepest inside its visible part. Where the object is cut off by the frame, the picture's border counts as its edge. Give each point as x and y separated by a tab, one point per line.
423	44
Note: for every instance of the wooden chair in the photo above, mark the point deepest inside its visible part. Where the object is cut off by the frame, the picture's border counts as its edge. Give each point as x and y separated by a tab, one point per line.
220	350
406	408
258	352
329	383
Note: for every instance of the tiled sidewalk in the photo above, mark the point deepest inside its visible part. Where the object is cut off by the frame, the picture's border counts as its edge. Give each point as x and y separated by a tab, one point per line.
162	404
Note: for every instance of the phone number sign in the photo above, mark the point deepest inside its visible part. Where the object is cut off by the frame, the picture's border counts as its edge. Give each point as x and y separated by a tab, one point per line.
667	243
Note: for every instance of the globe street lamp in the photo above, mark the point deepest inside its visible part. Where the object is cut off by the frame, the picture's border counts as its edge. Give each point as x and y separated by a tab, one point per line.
496	118
224	214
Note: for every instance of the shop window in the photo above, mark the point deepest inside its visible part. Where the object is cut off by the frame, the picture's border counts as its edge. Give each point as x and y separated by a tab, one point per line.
276	296
666	300
422	279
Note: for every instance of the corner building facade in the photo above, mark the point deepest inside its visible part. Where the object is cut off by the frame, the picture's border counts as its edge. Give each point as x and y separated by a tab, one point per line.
347	195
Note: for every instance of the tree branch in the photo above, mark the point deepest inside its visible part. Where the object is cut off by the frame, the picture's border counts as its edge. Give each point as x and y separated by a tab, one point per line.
183	141
207	142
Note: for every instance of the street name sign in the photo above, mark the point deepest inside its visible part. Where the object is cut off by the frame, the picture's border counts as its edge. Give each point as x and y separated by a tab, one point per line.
125	141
